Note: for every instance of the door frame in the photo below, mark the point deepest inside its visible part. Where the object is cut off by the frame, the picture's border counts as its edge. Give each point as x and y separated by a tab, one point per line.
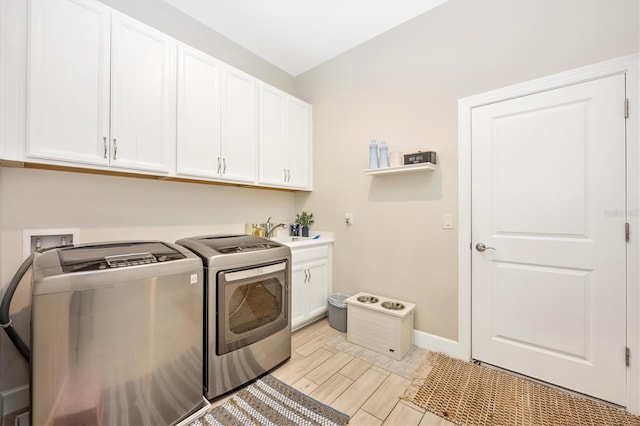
627	64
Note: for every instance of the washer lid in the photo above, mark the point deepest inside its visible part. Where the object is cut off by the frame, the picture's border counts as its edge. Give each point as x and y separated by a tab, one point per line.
115	255
230	244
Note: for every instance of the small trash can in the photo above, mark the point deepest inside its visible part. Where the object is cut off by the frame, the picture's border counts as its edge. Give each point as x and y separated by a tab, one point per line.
338	311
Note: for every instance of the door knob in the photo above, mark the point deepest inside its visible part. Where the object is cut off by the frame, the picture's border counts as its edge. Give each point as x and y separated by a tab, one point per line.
482	247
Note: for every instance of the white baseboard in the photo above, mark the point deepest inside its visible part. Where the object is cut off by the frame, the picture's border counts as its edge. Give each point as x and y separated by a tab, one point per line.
14	399
438	344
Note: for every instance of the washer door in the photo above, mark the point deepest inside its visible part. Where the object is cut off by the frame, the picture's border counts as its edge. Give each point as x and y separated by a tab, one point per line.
252	304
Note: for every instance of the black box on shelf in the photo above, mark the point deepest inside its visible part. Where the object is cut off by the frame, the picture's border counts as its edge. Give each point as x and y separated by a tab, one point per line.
420	157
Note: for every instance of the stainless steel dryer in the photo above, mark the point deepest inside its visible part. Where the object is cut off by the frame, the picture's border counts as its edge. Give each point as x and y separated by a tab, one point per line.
248	308
116	334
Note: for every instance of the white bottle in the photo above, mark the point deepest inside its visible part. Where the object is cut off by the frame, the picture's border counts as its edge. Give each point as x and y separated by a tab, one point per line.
384	154
373	155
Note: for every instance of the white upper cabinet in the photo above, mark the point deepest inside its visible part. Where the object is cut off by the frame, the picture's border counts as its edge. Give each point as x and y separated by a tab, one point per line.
285	139
198	152
105	91
68	104
142	96
101	88
216	119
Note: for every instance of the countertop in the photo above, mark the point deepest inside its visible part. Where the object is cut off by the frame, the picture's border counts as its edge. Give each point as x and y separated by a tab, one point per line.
294	242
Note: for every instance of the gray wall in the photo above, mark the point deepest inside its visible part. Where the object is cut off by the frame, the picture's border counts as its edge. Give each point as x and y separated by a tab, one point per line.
403	87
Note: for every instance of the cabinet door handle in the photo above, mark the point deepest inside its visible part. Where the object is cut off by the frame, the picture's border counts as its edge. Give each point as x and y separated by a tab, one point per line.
288	176
115	148
309	274
104	143
285	174
305	276
224	166
218	165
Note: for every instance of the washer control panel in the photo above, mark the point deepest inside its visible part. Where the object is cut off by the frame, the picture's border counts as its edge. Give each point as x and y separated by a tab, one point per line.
91	258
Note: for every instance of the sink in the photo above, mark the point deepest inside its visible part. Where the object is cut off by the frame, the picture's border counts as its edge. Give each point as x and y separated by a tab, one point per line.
368	299
289	239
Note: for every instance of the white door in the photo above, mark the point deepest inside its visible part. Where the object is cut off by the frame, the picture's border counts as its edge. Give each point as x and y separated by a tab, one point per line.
69	81
298	296
198	143
299	141
142	96
239	123
317	288
548	201
273	144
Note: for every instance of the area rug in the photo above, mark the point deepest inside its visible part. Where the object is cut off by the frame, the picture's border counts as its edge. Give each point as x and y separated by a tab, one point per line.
468	394
269	401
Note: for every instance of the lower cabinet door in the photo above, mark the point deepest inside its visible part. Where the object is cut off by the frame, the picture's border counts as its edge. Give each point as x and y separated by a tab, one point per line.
298	296
317	289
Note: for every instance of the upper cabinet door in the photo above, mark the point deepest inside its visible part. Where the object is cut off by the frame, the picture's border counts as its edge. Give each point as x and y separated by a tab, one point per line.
68	99
239	123
285	139
299	139
198	114
142	96
273	144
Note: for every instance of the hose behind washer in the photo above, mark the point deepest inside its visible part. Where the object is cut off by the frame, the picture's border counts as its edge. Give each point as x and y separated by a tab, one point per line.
5	320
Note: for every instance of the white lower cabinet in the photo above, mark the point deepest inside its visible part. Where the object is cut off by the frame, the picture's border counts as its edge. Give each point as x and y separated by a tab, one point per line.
311	283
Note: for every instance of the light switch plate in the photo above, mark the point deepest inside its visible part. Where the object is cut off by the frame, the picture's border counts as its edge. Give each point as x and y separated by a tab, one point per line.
447	221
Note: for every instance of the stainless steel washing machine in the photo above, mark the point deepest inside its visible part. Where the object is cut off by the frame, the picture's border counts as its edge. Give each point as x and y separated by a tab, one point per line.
248	308
116	334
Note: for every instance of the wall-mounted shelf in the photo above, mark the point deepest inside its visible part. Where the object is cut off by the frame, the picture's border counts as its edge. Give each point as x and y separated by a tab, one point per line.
402	169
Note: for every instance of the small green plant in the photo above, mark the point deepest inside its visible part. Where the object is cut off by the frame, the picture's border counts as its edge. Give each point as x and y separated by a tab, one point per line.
305	219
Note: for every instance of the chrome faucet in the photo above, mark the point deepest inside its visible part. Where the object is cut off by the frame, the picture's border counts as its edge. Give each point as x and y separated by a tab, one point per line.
271	228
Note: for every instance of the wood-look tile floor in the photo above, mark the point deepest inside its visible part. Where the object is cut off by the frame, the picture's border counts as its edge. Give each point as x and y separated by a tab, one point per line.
368	393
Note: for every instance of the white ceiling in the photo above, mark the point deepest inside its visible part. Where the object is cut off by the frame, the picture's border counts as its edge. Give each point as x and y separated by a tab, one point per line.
297	35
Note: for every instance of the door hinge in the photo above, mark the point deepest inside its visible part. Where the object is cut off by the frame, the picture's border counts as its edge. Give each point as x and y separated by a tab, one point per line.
626	232
627	356
626	108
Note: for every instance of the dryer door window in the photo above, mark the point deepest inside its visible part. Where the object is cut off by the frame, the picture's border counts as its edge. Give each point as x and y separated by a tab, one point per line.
252	304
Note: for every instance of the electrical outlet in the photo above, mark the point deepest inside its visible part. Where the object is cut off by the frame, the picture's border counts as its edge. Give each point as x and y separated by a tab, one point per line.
35	239
348	218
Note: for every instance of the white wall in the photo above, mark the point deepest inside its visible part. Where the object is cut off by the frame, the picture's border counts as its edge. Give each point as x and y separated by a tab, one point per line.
181	26
403	87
